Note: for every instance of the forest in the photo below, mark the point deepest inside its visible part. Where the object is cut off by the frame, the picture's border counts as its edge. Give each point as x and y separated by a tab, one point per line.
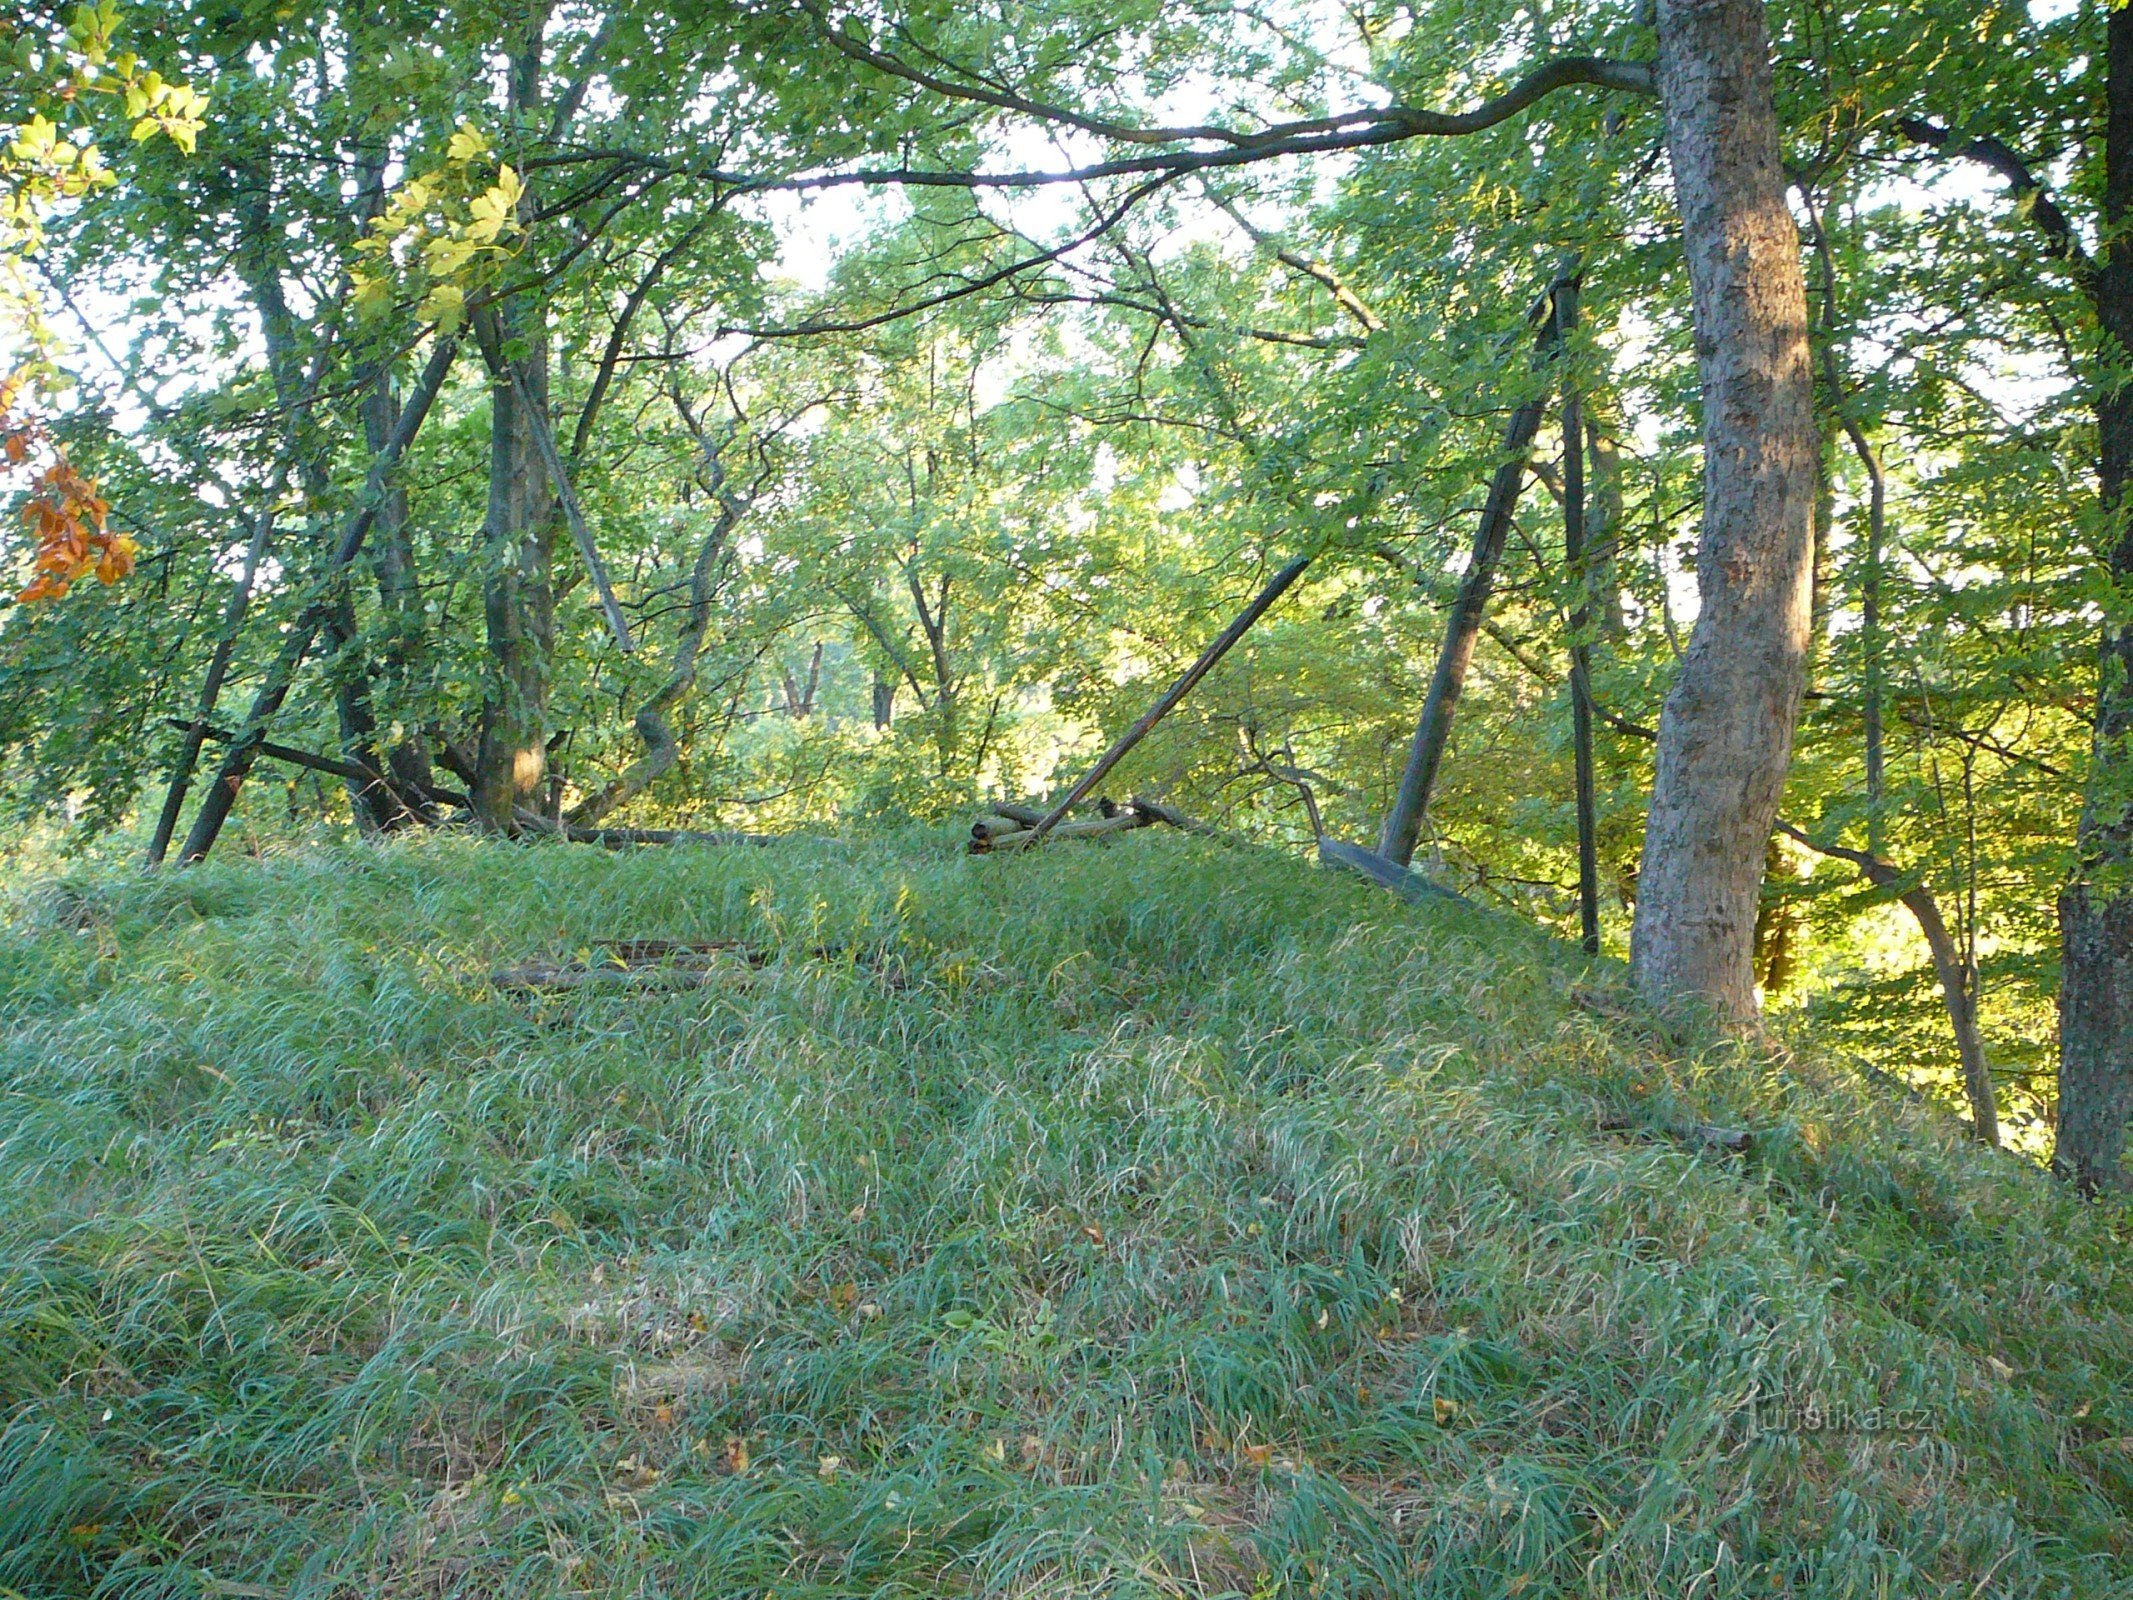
654	644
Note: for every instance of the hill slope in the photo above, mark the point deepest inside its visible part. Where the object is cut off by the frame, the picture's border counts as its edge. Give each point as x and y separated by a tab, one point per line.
1151	1218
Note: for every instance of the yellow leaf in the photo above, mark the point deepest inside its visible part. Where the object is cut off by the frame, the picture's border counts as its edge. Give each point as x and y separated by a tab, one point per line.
466	143
446	305
373	293
444	257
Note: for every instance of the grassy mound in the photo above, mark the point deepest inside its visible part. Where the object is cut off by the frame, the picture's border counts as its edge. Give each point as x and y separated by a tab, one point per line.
1145	1219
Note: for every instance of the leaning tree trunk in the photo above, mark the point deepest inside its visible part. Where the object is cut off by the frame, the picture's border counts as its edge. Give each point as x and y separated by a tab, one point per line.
1725	739
2096	910
1470	609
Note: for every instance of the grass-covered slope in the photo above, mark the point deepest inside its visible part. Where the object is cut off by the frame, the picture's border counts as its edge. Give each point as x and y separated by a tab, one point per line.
1150	1219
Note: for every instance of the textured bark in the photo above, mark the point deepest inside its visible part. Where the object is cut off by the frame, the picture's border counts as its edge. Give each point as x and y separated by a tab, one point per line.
1725	739
2096	911
518	534
518	590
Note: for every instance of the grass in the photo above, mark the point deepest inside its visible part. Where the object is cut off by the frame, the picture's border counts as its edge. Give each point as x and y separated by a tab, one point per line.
1144	1219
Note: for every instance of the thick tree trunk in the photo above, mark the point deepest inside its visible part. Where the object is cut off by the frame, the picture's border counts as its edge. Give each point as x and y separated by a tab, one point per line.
1725	739
518	535
2096	911
518	591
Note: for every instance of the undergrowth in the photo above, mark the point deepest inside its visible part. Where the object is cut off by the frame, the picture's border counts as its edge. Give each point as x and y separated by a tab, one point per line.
1151	1218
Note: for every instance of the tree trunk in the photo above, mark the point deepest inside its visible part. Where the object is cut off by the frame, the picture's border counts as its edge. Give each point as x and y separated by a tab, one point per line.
518	592
260	266
392	558
1605	519
1957	987
1578	570
518	536
222	794
661	749
1725	739
1433	729
2096	910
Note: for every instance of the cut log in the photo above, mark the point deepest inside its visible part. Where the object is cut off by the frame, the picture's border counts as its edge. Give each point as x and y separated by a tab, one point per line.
1028	816
1409	885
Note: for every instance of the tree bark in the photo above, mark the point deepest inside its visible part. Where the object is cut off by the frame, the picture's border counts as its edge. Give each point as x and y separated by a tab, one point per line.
518	535
1433	730
1725	739
2096	909
518	590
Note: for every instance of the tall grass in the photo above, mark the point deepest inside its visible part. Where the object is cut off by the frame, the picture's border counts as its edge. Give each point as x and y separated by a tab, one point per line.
1146	1219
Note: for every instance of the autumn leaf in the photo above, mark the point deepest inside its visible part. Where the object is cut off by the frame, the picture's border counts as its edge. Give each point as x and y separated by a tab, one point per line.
466	143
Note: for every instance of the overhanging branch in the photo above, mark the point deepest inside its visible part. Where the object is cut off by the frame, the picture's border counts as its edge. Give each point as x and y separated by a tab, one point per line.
2031	193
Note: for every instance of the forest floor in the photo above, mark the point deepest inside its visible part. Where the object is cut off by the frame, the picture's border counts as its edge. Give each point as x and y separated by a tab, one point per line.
1144	1218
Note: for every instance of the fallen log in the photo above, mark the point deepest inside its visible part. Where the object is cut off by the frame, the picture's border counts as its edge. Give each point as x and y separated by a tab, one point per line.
1737	1141
1028	816
1094	828
1156	811
1408	884
623	838
635	964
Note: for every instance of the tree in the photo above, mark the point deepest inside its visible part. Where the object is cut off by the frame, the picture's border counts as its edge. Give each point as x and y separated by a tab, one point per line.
1725	739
